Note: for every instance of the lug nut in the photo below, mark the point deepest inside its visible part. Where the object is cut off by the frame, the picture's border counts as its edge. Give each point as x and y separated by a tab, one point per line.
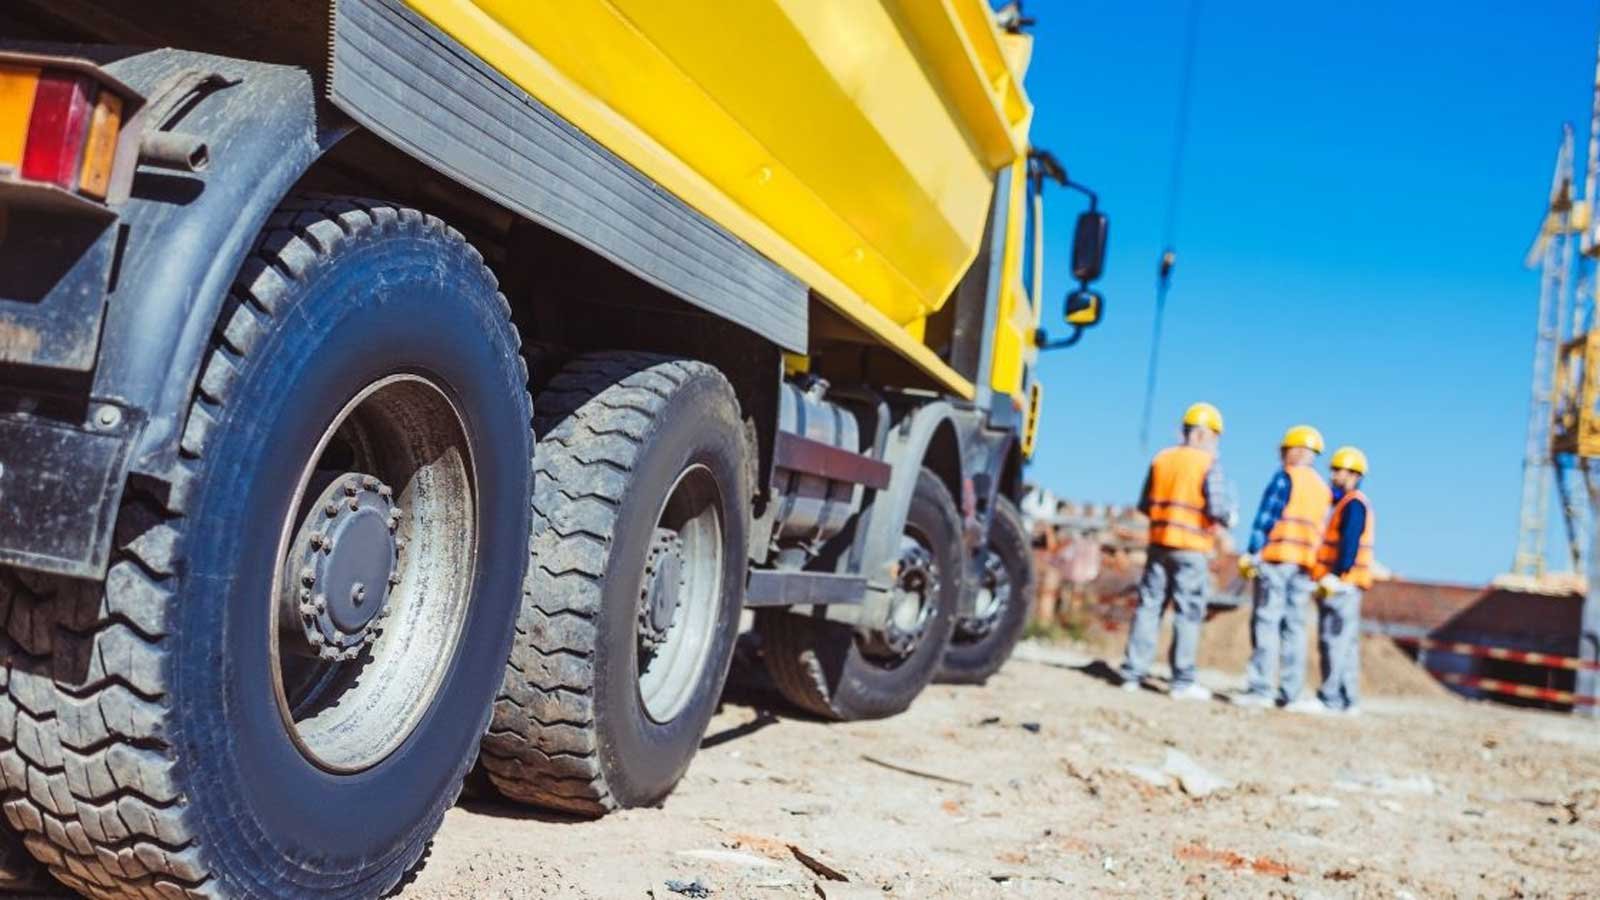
385	491
328	653
332	509
307	609
308	577
352	653
316	638
352	486
369	482
320	604
371	637
399	544
355	503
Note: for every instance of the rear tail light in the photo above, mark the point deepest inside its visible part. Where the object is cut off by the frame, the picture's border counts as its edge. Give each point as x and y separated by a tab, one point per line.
62	125
57	130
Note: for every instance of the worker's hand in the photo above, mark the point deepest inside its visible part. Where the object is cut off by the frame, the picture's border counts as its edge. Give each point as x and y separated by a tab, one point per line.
1249	567
1329	584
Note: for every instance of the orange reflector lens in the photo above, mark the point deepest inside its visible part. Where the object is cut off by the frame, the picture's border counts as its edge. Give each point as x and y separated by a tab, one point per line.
17	87
100	149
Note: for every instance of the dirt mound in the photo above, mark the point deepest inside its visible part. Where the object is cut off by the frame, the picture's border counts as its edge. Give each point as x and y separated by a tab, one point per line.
1388	671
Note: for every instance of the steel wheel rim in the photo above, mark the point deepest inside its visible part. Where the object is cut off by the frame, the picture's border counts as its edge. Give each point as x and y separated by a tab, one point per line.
346	716
994	595
668	675
912	601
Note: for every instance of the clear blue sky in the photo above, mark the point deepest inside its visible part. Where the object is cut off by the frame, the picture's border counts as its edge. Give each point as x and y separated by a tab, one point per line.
1362	182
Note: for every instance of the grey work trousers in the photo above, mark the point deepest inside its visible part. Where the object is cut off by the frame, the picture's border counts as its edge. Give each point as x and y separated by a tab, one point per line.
1179	576
1278	631
1339	643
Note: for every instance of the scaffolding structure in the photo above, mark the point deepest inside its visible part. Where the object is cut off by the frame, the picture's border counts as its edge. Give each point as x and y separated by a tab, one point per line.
1563	433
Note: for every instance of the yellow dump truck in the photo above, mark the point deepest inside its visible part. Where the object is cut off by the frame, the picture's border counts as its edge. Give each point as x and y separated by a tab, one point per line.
444	385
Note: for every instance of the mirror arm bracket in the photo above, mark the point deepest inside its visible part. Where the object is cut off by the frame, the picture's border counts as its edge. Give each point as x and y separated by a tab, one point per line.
1041	339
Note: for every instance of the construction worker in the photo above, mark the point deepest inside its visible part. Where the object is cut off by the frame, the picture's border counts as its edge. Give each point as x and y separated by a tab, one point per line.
1281	553
1188	502
1343	571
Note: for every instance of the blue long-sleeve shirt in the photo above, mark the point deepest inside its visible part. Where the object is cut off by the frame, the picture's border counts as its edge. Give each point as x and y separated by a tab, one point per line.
1351	525
1273	501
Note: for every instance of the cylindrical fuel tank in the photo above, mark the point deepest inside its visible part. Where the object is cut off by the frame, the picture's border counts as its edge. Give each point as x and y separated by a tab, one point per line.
812	508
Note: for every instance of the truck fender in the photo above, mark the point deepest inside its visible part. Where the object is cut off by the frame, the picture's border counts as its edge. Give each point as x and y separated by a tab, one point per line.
187	233
251	131
907	446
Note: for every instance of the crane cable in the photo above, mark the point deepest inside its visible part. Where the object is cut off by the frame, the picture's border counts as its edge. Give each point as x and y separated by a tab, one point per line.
1169	254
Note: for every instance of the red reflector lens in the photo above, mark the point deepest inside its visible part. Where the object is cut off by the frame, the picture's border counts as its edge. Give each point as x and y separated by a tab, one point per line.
57	130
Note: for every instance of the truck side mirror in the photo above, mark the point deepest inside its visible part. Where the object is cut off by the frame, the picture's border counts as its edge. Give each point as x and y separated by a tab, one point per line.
1083	307
1089	246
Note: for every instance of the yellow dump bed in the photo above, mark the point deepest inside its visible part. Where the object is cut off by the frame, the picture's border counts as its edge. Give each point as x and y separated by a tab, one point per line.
854	142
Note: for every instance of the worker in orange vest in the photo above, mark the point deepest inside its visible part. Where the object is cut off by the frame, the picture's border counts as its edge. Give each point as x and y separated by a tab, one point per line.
1281	553
1188	501
1343	571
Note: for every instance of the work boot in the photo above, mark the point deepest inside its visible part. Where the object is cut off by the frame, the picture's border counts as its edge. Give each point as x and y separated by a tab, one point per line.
1190	692
1252	701
1310	706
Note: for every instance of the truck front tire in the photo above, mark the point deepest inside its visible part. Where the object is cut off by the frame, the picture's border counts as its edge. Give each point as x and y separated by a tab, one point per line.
283	679
641	522
981	645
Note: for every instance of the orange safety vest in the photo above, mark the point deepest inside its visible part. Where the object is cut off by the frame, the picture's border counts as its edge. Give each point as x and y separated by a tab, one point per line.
1296	536
1178	517
1360	574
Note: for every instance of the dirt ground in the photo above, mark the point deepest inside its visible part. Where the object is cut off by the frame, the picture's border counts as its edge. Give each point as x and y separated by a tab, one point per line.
1049	782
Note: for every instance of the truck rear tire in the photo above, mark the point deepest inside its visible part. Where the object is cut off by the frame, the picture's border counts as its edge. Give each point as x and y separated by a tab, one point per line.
283	679
631	609
981	645
827	669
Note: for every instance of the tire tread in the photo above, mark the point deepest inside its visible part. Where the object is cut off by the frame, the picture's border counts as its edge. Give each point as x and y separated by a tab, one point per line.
592	421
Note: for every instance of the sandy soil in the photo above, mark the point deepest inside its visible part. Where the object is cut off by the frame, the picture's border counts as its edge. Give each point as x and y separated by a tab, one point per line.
1048	782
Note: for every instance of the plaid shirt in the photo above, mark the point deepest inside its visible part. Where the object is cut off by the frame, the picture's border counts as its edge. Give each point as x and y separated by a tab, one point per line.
1273	500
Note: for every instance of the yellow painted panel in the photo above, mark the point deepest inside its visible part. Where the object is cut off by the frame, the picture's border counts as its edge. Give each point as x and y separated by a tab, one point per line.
819	131
17	87
1014	321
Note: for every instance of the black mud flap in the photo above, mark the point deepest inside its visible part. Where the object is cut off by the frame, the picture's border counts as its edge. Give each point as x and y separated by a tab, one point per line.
58	495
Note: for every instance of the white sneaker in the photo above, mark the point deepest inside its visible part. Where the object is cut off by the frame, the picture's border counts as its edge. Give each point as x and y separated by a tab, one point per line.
1131	685
1309	706
1190	692
1252	701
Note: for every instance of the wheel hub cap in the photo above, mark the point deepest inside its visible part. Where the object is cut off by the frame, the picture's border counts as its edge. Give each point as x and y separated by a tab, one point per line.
345	560
911	605
662	588
994	592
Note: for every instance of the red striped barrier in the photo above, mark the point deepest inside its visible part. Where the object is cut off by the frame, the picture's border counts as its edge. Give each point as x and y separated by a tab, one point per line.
1547	660
1514	689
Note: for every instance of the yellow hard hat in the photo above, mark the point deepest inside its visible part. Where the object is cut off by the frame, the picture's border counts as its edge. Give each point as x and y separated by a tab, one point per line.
1303	436
1349	458
1204	415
